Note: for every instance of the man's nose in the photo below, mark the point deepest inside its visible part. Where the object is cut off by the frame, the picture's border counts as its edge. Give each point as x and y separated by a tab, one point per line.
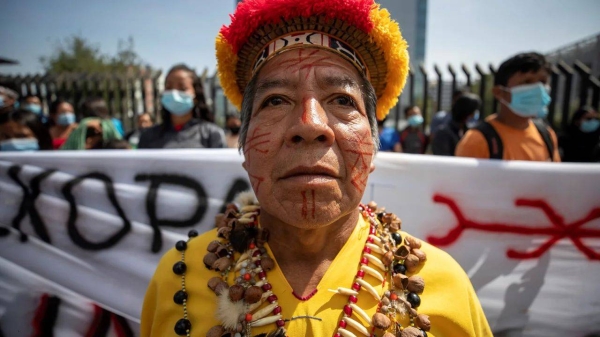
311	124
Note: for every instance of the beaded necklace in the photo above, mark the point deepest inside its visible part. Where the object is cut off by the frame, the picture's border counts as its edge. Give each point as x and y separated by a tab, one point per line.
251	302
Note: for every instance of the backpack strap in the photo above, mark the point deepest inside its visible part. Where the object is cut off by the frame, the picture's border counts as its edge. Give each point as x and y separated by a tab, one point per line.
545	133
493	139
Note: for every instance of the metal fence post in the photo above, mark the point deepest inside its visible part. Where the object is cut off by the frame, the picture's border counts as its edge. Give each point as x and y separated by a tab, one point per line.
425	96
495	101
568	72
554	78
482	93
584	75
467	75
453	74
440	86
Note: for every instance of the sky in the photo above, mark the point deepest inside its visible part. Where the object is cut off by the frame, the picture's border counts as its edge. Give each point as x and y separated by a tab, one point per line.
174	31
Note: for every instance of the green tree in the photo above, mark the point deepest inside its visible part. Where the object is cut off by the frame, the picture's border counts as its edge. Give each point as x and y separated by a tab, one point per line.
76	54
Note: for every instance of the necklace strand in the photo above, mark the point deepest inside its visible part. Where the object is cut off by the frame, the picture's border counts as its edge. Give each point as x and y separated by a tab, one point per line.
259	305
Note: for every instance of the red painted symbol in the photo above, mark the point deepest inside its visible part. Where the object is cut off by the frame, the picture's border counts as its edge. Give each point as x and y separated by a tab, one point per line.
255	141
360	168
256	181
557	231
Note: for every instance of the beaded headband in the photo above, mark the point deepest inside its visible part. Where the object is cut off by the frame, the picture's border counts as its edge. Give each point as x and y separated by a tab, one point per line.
357	30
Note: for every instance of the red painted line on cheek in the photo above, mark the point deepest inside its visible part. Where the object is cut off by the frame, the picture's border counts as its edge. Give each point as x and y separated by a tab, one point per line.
304	205
256	181
313	203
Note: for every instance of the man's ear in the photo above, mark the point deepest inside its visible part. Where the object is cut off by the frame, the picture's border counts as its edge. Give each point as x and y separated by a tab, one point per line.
501	94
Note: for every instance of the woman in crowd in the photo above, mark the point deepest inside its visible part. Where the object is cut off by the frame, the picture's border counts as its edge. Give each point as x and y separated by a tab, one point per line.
22	130
93	133
464	116
183	104
62	117
581	137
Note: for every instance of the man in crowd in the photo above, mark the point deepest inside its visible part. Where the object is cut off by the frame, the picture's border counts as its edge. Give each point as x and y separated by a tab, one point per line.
389	138
465	113
520	85
412	138
309	260
8	99
443	117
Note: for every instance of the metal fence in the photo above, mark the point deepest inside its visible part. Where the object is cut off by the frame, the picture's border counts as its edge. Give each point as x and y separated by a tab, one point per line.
572	86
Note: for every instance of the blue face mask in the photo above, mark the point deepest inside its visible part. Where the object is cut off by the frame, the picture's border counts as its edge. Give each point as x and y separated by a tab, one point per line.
472	122
35	108
66	118
528	100
415	120
177	102
19	144
589	126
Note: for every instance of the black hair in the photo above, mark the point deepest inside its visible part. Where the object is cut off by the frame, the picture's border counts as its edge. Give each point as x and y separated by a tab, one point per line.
465	106
32	121
24	98
579	114
95	107
200	109
520	63
408	108
116	144
54	105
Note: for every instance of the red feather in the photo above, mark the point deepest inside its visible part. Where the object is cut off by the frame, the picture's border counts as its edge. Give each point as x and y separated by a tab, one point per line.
252	14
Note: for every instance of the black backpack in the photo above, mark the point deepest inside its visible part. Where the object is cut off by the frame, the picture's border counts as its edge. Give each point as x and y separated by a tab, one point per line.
495	143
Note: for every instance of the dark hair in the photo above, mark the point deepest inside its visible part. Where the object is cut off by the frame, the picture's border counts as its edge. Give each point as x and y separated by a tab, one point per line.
95	107
408	108
54	105
201	109
24	98
366	89
464	106
116	144
149	115
32	121
520	63
579	114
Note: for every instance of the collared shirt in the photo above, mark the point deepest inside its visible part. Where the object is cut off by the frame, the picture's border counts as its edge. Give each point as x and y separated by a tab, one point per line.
193	134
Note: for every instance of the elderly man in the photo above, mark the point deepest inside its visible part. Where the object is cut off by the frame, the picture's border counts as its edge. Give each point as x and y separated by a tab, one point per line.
309	259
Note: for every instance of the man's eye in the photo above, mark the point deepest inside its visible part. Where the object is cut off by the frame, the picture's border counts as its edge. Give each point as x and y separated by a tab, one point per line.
344	100
273	101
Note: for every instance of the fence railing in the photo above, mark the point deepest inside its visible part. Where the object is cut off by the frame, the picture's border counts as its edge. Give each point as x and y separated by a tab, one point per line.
572	86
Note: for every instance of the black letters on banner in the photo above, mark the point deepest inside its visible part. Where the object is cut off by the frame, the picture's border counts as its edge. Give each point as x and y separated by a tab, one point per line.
28	203
155	181
74	234
238	186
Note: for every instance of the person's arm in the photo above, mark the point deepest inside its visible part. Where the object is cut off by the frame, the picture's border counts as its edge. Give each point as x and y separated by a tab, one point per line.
217	138
556	155
473	145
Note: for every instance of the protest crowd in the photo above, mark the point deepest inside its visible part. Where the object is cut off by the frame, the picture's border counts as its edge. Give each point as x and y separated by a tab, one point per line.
519	126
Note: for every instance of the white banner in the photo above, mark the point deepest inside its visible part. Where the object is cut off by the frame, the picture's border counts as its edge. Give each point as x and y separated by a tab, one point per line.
82	232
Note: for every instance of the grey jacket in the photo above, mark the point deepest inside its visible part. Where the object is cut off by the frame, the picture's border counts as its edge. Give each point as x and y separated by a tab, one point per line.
194	134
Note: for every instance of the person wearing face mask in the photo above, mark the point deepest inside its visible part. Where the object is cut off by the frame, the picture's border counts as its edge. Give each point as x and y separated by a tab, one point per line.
412	138
515	132
9	100
581	137
144	121
232	124
465	115
185	116
22	130
62	117
34	104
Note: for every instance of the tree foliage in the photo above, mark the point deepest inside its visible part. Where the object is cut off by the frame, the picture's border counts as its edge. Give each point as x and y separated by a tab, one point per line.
76	54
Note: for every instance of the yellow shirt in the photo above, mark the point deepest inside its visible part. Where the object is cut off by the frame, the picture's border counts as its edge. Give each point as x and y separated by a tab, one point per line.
518	144
448	299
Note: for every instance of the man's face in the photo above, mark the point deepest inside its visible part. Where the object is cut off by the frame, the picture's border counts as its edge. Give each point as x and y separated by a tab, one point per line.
33	100
413	112
308	148
521	78
11	129
144	121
